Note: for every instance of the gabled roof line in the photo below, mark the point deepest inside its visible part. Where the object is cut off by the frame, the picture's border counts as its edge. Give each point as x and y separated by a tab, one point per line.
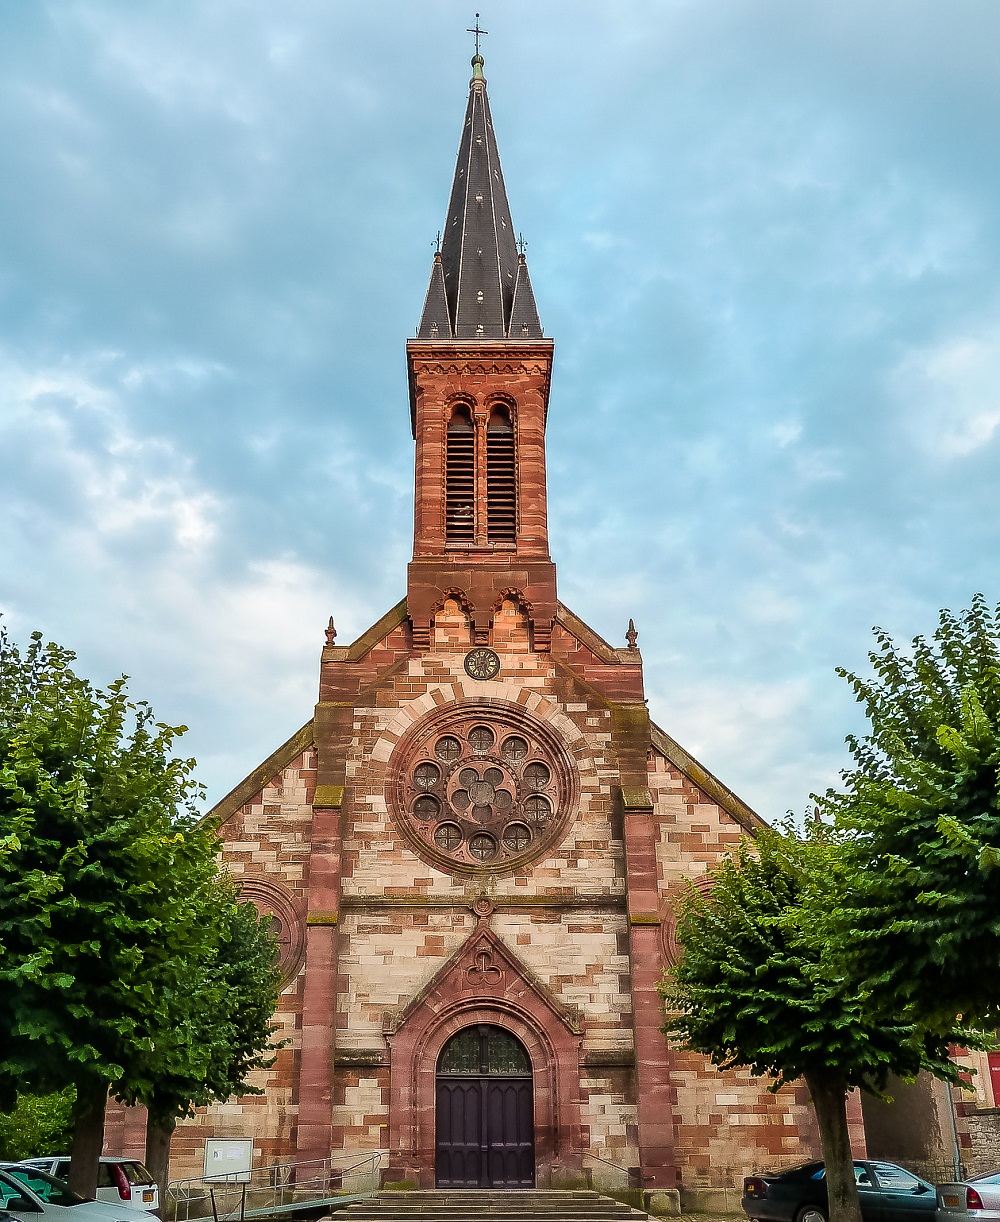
256	780
697	773
593	640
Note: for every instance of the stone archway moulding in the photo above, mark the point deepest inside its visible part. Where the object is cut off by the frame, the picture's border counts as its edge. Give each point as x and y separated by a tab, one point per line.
485	692
484	982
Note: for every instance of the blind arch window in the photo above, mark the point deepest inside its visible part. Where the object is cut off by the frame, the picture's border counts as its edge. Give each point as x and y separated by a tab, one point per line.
501	478
460	478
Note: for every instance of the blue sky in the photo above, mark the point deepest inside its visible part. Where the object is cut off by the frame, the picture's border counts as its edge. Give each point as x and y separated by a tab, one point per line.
763	233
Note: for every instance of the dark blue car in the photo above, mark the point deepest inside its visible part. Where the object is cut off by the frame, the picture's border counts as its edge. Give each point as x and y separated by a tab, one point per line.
888	1194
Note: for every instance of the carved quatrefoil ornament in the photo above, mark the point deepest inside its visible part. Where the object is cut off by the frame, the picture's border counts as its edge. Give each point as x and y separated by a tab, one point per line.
482	787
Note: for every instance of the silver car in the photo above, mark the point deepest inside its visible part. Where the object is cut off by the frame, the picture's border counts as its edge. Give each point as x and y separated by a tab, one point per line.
118	1179
31	1195
975	1200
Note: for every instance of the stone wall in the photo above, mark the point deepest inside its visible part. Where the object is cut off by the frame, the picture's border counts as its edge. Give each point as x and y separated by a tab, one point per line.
563	916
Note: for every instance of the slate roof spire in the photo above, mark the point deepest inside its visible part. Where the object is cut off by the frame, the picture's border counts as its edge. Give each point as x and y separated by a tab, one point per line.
479	286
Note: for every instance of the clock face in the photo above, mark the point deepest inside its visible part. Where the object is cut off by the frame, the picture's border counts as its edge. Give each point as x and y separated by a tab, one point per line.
482	664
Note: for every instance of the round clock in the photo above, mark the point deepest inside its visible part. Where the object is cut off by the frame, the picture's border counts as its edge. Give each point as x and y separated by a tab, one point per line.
482	664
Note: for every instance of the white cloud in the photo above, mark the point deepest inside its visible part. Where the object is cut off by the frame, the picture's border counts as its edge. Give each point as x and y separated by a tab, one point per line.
756	732
949	393
92	477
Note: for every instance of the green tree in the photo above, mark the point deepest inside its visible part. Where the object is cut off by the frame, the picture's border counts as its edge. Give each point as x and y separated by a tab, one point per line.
216	1024
37	1123
920	810
101	840
755	988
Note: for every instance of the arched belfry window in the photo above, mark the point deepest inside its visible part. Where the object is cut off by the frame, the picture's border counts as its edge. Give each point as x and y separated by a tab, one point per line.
501	478
460	478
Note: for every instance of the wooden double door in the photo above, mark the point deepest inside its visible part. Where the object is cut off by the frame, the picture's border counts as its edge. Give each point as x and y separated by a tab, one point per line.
485	1119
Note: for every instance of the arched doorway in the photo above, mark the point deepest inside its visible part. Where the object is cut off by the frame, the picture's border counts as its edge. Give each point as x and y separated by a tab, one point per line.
485	1118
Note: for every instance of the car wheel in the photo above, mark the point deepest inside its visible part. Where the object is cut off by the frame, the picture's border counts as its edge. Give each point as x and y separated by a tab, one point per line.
811	1213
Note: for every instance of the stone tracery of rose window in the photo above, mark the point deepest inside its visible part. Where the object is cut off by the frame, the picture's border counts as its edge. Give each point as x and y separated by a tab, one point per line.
480	790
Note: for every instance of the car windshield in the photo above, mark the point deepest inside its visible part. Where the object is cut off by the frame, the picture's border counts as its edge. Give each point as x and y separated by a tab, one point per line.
136	1173
46	1187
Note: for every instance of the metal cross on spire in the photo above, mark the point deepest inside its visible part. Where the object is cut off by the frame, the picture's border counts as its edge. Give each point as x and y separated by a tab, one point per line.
477	31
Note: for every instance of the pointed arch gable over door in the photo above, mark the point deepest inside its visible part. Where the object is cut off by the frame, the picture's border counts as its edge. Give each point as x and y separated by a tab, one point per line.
485	984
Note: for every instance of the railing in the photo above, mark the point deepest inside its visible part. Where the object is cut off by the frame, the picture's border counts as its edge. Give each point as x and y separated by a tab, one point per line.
283	1188
626	1177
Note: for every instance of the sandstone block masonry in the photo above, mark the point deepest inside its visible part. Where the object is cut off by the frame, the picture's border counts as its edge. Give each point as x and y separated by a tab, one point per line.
369	924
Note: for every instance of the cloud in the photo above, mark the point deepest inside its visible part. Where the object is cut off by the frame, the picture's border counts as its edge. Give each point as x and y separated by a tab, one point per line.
948	393
758	250
121	522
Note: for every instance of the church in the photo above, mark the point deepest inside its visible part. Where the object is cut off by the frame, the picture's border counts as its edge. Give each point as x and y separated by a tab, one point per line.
472	847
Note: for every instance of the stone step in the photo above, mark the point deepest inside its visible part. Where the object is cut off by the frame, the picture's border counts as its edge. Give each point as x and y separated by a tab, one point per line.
577	1208
475	1205
570	1195
580	1209
446	1211
528	1210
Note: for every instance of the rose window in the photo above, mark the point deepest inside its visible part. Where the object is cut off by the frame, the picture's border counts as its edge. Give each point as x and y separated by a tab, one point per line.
482	789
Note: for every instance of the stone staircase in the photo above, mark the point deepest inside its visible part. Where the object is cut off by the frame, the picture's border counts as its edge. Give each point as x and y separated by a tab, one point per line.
483	1205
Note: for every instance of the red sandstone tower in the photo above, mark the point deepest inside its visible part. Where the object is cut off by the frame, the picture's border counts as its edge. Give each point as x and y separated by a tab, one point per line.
479	391
513	745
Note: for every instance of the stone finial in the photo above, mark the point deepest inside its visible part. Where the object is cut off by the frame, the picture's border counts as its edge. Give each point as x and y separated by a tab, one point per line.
331	632
631	636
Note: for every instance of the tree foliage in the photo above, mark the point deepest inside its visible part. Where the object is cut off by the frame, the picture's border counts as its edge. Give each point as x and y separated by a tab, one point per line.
37	1123
920	809
869	944
125	960
99	823
215	1025
755	988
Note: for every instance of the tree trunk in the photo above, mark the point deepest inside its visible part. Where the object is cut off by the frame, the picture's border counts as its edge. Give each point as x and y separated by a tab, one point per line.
829	1098
88	1135
159	1131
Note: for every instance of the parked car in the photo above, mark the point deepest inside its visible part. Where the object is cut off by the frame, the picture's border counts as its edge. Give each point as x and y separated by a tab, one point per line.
118	1179
888	1194
32	1195
976	1200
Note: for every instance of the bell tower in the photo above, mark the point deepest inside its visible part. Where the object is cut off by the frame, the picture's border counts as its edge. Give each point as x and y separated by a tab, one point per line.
477	841
479	371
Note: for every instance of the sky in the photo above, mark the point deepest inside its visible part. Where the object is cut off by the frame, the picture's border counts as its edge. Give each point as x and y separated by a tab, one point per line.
764	235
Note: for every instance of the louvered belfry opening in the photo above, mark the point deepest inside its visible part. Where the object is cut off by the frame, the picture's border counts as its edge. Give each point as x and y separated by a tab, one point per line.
460	478
501	478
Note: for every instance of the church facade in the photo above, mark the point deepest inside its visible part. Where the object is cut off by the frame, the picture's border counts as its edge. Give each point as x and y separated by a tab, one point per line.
472	848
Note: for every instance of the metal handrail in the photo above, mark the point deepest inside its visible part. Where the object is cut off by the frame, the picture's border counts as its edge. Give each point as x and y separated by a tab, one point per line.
631	1176
277	1188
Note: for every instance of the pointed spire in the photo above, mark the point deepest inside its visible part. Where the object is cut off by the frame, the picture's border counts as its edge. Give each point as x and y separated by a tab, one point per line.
479	286
435	321
524	322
